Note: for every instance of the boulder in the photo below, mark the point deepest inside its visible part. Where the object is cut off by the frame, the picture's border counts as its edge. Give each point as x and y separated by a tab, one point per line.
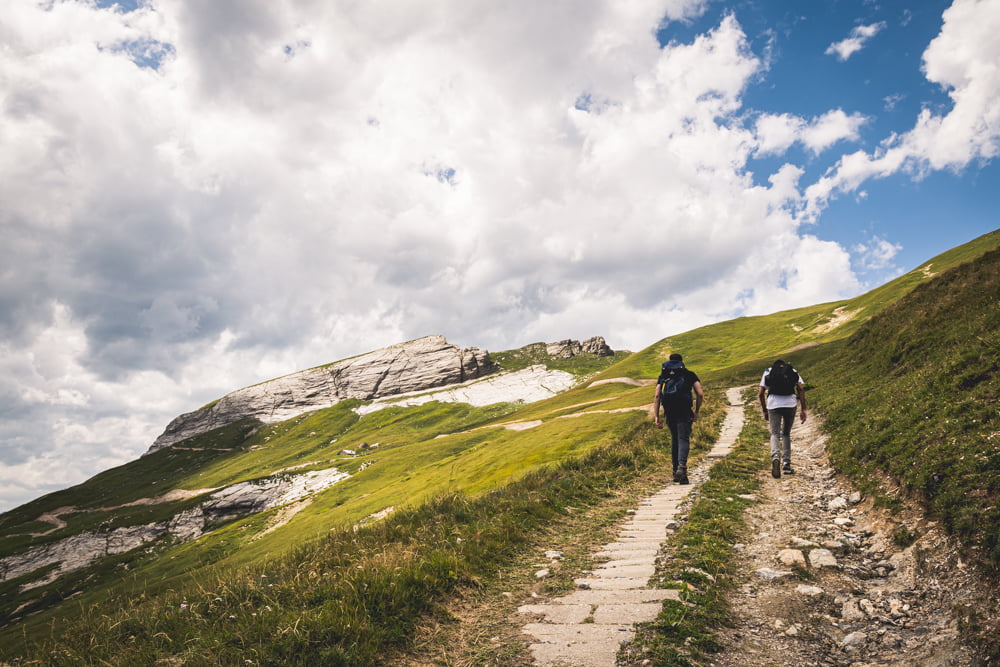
420	364
792	557
597	346
564	349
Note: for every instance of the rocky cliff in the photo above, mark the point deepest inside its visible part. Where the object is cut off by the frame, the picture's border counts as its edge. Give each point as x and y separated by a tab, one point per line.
231	502
418	365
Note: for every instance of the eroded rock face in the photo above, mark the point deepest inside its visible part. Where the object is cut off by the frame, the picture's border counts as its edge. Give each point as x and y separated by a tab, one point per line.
231	502
527	385
564	349
418	365
597	346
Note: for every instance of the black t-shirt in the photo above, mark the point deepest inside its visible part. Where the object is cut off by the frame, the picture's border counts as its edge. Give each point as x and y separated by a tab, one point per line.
680	407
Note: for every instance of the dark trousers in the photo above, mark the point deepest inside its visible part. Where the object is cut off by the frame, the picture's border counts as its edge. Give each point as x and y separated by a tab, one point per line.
680	441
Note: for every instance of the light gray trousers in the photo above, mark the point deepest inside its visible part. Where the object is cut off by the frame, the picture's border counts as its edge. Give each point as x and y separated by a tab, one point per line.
781	420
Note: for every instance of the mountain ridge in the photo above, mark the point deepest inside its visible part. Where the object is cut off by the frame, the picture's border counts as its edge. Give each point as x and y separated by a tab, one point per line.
417	365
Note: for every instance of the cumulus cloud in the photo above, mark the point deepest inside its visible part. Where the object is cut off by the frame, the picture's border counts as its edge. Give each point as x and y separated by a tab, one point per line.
776	133
859	37
196	196
962	60
876	254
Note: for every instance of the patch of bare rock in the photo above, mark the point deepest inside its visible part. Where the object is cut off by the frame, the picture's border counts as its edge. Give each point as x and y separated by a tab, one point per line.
825	582
566	349
416	365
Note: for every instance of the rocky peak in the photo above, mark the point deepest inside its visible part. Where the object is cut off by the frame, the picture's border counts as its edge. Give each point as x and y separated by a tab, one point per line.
564	349
424	363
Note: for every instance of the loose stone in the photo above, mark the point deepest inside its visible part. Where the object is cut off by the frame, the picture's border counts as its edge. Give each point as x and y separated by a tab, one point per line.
822	558
791	557
854	639
770	575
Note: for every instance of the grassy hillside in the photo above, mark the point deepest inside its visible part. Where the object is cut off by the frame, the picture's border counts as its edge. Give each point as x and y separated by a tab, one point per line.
357	591
915	395
907	379
729	344
422	453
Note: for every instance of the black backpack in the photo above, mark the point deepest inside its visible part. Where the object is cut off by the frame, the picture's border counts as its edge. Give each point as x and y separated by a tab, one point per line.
674	382
781	379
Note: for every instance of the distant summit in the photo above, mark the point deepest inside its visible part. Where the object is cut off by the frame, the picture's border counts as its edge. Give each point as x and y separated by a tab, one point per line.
418	365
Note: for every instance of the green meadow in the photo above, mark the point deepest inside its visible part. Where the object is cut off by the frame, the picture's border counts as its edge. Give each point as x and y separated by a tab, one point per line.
442	496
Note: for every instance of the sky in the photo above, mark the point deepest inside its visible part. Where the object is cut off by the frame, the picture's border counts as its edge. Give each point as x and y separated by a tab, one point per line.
198	195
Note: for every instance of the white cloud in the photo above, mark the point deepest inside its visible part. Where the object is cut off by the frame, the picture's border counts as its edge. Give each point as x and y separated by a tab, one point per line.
830	128
776	133
876	254
859	37
962	60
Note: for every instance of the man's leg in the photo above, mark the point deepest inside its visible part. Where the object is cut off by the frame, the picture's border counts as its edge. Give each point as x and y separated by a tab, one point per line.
672	425
788	419
683	448
774	420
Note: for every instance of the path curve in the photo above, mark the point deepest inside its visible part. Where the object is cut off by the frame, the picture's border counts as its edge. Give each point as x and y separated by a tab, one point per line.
586	627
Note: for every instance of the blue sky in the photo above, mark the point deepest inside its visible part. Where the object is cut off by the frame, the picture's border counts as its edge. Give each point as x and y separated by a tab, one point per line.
195	197
883	80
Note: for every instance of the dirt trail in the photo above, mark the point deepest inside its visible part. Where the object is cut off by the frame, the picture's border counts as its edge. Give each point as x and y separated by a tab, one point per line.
586	627
823	582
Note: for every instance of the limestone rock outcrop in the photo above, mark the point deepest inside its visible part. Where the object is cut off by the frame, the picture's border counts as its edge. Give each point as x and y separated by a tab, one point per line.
565	349
597	346
424	363
231	502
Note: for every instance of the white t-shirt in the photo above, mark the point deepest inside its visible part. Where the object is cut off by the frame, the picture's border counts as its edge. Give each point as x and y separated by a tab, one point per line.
777	401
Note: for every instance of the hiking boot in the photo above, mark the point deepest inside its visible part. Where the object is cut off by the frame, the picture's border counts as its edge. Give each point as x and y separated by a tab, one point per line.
787	469
675	475
681	476
776	468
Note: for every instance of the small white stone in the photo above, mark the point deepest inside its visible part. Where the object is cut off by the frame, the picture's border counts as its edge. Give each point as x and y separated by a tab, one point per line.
791	557
854	639
770	575
822	558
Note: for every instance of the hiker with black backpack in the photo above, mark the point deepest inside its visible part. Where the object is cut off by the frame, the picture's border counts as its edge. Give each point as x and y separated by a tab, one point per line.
781	392
674	390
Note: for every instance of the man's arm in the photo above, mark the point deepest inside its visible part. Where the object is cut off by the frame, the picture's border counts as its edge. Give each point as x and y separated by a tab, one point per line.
800	391
699	396
762	396
656	408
